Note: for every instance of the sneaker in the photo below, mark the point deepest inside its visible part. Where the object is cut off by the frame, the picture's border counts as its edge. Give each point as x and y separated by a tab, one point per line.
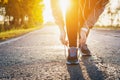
85	50
72	56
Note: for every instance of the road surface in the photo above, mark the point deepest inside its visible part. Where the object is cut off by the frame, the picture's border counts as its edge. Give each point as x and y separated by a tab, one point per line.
39	55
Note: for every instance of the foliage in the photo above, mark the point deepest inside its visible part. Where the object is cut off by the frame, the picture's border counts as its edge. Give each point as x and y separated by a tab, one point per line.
16	32
19	9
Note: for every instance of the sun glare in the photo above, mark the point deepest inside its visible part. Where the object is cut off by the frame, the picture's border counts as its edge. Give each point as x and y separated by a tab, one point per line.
64	4
47	14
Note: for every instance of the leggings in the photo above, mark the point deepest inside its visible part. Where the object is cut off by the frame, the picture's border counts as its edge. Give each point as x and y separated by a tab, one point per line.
82	13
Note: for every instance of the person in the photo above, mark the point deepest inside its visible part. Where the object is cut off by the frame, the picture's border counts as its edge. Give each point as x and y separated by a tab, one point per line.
81	15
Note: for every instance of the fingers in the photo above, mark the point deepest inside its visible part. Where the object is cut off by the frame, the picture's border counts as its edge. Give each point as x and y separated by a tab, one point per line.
63	41
66	42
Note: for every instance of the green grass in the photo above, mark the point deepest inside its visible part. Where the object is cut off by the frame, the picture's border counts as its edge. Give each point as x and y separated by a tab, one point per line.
107	27
15	32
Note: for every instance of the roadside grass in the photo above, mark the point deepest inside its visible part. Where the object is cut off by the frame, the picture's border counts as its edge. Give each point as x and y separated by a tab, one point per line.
16	32
107	27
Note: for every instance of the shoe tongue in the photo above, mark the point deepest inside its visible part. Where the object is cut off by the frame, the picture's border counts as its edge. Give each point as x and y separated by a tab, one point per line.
73	52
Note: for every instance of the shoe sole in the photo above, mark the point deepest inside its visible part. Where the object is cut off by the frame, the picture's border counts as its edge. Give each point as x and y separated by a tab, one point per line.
85	54
72	63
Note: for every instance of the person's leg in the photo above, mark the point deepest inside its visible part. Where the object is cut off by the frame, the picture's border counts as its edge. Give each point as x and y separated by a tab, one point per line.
72	23
85	9
95	13
72	28
90	17
90	10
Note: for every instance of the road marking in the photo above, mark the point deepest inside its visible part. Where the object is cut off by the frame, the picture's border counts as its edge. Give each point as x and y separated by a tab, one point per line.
11	40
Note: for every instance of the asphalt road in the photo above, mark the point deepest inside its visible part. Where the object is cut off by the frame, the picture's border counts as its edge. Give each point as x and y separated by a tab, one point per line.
39	55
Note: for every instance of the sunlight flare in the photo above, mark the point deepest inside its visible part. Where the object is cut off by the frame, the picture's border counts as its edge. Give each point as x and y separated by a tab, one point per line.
64	4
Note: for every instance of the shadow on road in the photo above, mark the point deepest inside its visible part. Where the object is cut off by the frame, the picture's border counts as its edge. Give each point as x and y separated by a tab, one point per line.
75	72
86	70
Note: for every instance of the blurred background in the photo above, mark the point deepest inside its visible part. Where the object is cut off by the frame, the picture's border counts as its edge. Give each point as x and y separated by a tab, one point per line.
109	18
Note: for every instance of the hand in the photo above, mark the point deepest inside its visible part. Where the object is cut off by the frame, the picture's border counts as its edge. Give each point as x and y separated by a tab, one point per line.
83	37
63	37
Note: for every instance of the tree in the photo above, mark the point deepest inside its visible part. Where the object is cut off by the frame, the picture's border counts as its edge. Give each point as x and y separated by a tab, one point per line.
18	9
13	9
33	10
